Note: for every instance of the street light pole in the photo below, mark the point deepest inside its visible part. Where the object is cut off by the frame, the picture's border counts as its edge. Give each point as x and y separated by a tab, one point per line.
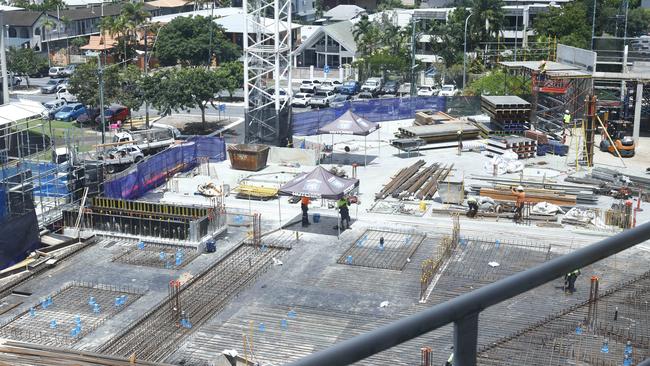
100	74
413	87
465	53
3	61
593	26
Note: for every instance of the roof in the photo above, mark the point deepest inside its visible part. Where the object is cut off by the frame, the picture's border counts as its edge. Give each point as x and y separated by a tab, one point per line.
100	42
8	8
18	111
169	3
349	124
22	18
319	183
218	13
95	11
344	12
341	32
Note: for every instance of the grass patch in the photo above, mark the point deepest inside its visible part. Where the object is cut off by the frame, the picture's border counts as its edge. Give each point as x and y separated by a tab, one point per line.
59	128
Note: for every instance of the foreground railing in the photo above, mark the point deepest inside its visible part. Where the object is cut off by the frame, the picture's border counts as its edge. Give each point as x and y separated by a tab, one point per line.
464	310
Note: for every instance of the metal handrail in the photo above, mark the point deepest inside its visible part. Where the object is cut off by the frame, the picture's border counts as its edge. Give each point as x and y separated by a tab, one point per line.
463	310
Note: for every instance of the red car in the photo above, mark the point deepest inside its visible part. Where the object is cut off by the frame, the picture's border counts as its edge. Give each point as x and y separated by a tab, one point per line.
114	114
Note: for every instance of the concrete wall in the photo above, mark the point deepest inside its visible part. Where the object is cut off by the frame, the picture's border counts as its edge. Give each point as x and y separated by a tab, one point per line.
287	155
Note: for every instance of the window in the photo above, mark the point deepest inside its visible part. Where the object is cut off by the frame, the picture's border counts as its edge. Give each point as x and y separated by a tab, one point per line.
37	31
12	32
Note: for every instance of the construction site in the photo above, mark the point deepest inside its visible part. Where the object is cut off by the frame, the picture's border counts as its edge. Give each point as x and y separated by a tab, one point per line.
210	254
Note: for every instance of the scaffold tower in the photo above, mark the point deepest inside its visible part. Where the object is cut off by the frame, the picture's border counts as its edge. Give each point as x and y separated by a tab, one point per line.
267	70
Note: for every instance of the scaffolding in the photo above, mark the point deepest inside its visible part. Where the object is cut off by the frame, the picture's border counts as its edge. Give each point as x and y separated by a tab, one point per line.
30	179
561	87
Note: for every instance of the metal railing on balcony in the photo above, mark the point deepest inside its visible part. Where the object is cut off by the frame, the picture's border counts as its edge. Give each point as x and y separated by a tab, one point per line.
464	310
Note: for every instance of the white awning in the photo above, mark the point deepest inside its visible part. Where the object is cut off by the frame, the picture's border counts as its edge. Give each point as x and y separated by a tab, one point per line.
19	111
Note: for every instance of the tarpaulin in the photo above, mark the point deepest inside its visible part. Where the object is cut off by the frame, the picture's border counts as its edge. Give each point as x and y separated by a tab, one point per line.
319	183
155	170
18	238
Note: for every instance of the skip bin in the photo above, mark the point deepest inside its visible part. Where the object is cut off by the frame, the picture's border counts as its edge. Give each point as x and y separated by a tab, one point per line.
248	156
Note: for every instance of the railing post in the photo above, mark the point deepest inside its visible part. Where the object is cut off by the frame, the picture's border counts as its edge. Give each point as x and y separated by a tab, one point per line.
466	340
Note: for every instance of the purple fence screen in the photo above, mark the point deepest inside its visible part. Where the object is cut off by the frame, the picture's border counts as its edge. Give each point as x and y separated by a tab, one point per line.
374	110
154	171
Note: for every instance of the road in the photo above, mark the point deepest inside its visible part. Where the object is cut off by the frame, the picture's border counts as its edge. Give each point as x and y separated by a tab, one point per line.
232	109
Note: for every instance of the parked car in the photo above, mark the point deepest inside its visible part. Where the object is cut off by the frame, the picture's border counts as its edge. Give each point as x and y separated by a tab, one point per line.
365	95
339	100
69	70
52	107
391	87
309	86
42	71
56	72
372	85
448	90
428	91
350	87
88	116
114	114
283	94
70	112
65	84
330	85
63	94
301	100
13	80
321	99
51	86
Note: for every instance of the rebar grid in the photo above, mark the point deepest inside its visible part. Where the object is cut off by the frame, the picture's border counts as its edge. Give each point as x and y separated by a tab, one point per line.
397	248
150	255
68	303
154	335
623	315
474	255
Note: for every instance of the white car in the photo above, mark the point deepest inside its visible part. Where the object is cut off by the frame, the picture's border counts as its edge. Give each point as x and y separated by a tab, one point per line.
372	85
283	94
309	86
321	99
448	91
301	100
65	95
328	85
428	91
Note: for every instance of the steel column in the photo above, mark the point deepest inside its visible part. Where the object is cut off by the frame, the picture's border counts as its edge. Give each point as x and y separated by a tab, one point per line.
466	340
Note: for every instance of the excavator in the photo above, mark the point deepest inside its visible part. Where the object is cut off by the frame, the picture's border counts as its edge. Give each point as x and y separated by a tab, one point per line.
619	132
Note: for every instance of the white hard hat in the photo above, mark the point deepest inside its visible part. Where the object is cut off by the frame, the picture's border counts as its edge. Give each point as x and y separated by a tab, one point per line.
520	188
567	111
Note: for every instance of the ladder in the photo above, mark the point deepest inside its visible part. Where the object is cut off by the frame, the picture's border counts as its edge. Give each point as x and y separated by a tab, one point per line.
81	210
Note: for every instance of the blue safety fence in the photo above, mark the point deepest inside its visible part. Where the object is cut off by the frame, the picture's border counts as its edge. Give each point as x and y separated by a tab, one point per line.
155	170
3	204
48	179
374	110
389	109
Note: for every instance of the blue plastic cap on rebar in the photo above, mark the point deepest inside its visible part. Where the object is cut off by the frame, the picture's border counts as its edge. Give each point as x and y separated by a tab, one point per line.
262	327
284	324
91	301
605	347
178	261
96	308
497	243
292	314
162	256
53	324
141	245
627	360
32	312
348	260
77	319
578	330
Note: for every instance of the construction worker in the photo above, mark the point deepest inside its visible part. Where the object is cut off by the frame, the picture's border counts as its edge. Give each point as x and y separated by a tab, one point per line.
570	281
344	210
450	360
473	206
459	134
519	202
543	68
304	205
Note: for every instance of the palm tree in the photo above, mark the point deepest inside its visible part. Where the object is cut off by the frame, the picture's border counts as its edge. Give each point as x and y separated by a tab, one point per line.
360	31
132	17
487	19
48	25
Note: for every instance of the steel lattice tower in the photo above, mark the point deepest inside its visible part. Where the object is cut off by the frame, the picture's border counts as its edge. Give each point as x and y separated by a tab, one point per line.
267	70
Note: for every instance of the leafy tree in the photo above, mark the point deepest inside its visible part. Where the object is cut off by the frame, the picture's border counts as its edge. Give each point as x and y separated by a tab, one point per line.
487	20
498	83
48	25
84	83
230	76
173	90
447	38
24	61
46	5
567	23
131	88
638	22
186	40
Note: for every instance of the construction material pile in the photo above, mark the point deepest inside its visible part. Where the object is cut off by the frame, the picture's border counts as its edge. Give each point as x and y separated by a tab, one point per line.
525	148
508	113
613	183
415	181
443	132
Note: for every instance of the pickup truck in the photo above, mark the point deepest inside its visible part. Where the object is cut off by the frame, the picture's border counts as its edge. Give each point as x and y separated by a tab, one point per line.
332	86
372	85
120	158
321	99
149	141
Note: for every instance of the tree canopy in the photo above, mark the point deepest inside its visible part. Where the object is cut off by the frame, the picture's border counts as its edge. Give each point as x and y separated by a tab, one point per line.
84	83
186	40
25	62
